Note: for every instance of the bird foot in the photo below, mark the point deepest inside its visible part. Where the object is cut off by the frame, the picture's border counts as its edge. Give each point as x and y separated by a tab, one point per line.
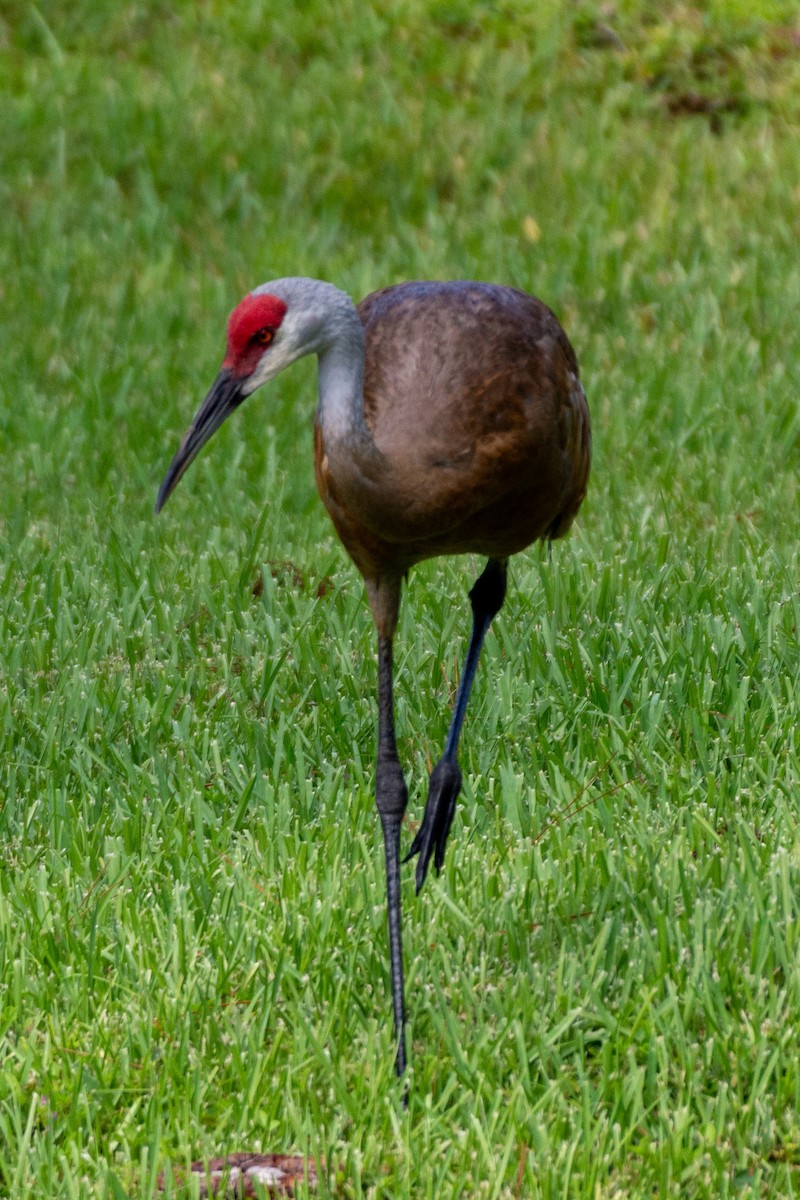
445	784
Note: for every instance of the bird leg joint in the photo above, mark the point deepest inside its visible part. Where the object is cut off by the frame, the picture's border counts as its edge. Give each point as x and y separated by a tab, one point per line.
489	590
391	793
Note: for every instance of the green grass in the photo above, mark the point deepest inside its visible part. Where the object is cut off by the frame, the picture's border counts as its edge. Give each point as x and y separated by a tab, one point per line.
604	983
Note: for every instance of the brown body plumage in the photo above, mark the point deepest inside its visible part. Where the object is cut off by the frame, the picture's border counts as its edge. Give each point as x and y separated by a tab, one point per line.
451	419
480	428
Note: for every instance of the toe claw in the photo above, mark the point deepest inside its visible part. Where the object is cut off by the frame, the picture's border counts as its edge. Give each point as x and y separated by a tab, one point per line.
415	846
422	869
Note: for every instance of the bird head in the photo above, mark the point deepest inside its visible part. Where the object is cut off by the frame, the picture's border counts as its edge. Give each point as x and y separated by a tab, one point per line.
273	326
262	340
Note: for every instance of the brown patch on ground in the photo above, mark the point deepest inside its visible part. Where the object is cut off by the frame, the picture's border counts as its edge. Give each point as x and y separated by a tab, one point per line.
694	104
240	1175
284	571
785	41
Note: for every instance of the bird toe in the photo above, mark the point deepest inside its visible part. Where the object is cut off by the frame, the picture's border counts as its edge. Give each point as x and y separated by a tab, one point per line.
431	838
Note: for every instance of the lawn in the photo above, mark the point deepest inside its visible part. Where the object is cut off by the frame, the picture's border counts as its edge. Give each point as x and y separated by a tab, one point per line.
604	982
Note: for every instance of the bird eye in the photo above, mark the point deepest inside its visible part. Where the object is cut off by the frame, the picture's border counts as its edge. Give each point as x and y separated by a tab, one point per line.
264	336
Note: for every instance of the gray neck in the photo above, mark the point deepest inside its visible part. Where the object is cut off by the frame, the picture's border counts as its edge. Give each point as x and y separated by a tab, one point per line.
340	407
323	320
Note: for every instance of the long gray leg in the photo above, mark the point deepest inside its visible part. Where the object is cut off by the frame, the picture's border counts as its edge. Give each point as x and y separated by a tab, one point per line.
391	797
487	596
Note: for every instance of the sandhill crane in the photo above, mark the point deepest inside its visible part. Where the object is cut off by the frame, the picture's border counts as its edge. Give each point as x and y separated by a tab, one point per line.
450	420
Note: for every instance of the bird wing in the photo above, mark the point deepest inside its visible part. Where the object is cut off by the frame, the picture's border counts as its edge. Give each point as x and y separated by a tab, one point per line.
472	395
480	435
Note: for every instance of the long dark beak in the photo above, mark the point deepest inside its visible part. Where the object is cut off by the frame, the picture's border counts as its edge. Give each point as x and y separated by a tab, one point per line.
224	397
